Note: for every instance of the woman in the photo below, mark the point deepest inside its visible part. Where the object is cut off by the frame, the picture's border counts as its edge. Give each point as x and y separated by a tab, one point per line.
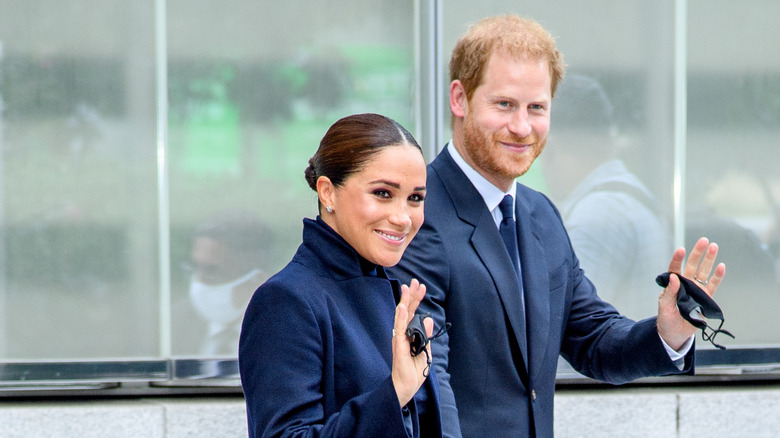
319	354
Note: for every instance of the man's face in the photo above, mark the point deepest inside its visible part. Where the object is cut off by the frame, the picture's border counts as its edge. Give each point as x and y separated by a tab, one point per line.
506	122
213	262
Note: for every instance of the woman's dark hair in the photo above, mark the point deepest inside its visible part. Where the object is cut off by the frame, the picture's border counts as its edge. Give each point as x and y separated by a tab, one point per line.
350	143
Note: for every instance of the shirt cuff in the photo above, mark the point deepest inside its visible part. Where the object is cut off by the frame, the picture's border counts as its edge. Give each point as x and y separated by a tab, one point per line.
678	356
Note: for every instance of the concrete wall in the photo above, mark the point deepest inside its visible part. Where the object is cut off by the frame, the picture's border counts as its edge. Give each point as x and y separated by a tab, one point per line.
744	411
211	417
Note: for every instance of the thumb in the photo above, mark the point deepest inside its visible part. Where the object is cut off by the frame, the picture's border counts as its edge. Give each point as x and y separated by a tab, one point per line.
669	295
428	323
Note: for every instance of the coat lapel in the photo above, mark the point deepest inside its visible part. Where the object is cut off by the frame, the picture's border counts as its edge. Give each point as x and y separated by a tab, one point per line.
536	283
485	239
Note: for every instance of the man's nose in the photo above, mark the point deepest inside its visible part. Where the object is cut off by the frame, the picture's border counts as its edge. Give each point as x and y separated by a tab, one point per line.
520	125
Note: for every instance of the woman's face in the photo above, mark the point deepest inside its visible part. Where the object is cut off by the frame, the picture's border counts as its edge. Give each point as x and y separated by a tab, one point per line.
379	209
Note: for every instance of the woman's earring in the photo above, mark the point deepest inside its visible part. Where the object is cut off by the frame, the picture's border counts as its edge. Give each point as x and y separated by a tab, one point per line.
329	209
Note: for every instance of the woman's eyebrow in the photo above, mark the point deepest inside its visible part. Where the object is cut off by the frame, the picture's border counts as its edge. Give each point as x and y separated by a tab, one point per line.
395	185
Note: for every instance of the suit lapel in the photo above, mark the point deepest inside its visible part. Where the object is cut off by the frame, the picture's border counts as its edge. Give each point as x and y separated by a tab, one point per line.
485	239
536	283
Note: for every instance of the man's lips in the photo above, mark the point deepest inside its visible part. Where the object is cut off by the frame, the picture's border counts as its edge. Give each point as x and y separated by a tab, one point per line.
517	147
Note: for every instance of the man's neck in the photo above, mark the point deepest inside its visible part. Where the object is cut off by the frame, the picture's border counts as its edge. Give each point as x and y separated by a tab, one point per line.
459	146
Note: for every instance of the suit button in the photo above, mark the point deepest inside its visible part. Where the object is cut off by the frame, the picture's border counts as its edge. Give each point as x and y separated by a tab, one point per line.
533	395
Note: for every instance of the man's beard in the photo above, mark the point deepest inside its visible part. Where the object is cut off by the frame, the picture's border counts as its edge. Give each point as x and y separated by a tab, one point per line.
488	155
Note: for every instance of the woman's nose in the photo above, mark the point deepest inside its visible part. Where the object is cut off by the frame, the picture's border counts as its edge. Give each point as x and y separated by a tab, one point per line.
401	217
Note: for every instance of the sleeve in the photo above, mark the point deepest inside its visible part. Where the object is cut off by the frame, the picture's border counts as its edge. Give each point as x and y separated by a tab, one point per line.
282	362
603	345
426	260
598	341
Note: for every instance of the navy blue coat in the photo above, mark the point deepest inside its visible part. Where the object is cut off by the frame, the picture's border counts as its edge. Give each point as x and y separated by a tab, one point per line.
315	350
496	378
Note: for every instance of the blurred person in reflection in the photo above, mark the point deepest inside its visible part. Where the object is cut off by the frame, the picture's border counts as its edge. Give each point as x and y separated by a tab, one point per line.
616	225
323	350
497	262
753	272
227	253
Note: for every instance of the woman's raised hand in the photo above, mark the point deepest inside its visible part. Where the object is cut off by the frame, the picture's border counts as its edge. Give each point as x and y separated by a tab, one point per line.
408	371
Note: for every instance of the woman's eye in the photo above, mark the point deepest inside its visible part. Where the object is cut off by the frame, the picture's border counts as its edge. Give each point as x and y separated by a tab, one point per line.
417	198
381	193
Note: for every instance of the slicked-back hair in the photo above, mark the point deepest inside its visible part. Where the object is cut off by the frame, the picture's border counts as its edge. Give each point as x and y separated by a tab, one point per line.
350	143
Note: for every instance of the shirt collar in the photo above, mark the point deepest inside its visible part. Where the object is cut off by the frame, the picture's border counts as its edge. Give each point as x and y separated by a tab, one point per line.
491	194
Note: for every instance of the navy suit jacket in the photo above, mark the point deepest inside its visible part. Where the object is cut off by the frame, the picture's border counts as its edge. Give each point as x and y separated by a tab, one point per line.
315	350
497	363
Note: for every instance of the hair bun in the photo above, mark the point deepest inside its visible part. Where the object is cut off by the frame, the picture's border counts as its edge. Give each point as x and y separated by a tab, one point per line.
311	175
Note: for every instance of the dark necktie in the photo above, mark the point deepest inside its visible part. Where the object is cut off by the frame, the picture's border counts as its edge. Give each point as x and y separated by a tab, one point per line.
509	231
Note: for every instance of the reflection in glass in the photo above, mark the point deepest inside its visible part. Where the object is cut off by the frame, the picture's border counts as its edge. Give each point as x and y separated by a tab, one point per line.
732	179
250	94
79	187
618	227
248	106
229	251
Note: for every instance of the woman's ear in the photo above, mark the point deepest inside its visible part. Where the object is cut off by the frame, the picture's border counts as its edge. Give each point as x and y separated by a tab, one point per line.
325	191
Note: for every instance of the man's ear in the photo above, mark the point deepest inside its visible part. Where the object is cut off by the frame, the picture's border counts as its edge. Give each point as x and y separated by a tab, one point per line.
325	191
458	102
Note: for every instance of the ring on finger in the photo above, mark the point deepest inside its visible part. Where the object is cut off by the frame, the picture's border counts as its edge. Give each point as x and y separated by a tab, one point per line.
393	332
700	281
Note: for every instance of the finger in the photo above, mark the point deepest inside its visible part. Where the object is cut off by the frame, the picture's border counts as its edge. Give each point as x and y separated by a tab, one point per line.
428	323
705	268
694	259
716	279
677	260
416	294
399	325
420	293
406	295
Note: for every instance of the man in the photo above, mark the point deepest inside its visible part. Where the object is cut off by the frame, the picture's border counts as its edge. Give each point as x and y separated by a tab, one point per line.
228	251
616	225
511	320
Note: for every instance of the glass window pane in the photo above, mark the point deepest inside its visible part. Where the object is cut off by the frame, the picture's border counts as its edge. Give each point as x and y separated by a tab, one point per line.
253	87
78	203
732	180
